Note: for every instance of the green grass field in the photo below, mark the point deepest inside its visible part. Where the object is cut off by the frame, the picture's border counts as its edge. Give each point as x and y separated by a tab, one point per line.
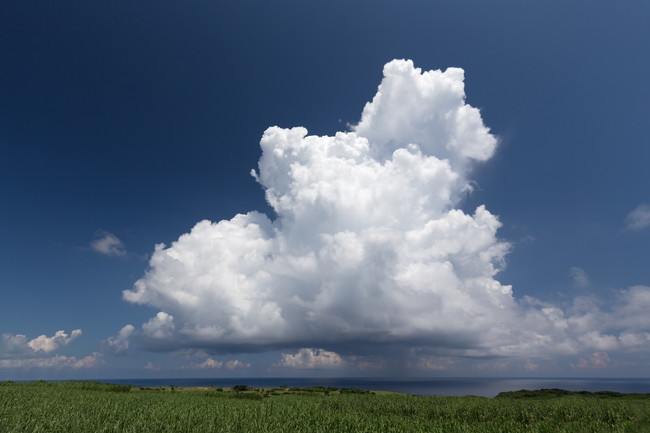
88	407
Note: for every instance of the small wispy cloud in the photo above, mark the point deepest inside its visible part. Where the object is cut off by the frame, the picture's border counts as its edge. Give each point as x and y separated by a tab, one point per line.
639	218
119	343
150	366
580	276
530	366
57	361
596	360
210	363
528	239
108	244
236	364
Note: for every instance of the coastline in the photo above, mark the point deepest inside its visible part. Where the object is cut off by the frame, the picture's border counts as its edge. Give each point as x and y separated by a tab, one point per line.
484	387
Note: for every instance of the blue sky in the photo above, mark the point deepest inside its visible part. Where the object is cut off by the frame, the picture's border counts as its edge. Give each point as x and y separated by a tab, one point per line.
122	125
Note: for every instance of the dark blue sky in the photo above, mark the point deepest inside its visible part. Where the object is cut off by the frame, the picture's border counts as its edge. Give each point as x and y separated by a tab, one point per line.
142	118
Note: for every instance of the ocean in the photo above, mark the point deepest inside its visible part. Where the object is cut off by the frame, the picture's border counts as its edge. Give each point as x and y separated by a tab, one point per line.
486	387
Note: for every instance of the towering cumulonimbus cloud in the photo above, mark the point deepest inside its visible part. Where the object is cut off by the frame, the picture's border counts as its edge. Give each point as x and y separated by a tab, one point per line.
367	247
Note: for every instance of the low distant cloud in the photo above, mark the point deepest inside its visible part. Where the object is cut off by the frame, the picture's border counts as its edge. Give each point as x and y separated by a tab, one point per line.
236	364
108	244
20	344
367	363
119	343
596	360
579	276
432	363
639	218
493	366
150	366
530	366
54	362
14	344
211	363
310	358
88	361
19	352
623	326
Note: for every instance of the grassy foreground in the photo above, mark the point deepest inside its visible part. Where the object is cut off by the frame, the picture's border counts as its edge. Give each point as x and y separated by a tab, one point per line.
93	407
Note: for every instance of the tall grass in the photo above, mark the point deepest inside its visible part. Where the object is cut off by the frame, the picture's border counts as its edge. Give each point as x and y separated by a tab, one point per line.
86	407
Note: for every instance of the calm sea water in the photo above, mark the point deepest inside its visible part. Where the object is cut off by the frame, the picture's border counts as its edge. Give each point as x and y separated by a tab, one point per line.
487	387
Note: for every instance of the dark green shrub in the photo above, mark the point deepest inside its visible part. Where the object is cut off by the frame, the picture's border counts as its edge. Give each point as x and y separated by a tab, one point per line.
248	396
353	391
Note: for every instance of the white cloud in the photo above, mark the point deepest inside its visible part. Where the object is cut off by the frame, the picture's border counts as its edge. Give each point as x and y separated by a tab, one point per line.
624	325
87	361
367	249
211	363
236	364
639	218
596	340
580	276
18	352
108	244
160	326
50	344
309	358
20	345
119	343
631	310
635	341
56	361
426	108
14	344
